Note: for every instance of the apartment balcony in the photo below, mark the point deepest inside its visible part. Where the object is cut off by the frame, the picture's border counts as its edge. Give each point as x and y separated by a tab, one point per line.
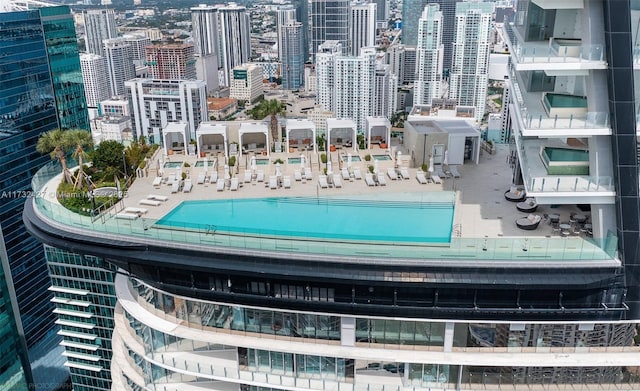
561	179
554	114
554	53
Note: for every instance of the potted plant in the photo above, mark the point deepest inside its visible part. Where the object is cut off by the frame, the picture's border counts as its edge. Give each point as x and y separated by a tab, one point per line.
367	157
323	157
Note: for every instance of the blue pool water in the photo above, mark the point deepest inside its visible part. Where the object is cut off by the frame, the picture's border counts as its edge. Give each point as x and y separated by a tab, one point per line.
381	157
262	162
334	219
173	164
293	160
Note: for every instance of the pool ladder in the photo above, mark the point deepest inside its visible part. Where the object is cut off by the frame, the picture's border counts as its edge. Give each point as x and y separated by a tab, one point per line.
457	230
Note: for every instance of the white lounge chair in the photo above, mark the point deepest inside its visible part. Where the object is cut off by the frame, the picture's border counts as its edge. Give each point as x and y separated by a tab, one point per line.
213	178
235	183
273	182
201	178
440	172
454	171
187	186
171	178
247	176
297	175
260	176
127	216
381	180
286	182
307	174
157	181
220	184
392	174
421	178
356	173
134	210
149	202
322	181
404	173
345	173
157	197
368	179
175	187
436	179
337	181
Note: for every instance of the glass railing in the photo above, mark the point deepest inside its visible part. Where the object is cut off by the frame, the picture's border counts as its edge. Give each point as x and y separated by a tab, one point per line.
558	50
204	237
559	183
591	120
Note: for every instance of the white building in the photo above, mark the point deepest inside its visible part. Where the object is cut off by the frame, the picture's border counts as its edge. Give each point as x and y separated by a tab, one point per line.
246	83
429	53
362	27
204	19
234	39
120	67
325	73
94	76
155	103
114	108
385	92
111	128
470	65
99	24
138	43
319	117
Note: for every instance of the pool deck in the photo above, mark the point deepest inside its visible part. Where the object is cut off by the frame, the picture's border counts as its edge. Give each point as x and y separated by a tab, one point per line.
481	211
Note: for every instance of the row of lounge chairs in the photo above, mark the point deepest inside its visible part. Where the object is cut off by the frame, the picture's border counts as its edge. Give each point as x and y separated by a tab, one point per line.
333	180
132	212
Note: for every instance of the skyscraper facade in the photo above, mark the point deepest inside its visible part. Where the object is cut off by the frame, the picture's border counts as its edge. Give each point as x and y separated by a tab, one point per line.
120	67
470	69
42	90
329	22
382	13
138	43
302	16
204	19
362	27
325	73
235	42
292	60
284	15
171	61
95	77
384	92
429	55
99	24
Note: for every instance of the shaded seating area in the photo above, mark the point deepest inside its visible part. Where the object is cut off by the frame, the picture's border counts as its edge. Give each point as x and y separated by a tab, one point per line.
529	223
301	134
527	206
174	137
341	133
254	137
515	194
212	138
378	132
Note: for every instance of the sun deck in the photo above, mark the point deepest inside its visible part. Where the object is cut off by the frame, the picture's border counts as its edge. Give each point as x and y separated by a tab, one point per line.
484	227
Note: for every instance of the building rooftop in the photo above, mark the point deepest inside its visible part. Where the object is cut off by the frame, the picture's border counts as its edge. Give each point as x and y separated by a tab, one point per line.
484	230
220	103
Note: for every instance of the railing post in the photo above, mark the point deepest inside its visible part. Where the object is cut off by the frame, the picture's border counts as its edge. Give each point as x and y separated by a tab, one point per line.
575	185
558	185
571	120
555	121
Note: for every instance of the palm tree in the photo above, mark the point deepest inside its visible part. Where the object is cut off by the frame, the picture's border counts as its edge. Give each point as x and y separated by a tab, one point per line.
271	107
79	140
55	143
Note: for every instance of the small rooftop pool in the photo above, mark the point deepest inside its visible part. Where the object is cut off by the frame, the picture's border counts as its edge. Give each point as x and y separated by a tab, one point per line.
424	220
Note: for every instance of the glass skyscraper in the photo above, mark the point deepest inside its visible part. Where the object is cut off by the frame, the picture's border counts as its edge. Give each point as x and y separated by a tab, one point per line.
41	81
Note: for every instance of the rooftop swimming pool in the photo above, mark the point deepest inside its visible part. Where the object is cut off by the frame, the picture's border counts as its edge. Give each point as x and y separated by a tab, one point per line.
381	157
172	164
355	218
293	160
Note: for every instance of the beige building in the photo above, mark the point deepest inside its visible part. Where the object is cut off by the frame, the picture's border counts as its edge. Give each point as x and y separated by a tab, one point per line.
246	82
221	108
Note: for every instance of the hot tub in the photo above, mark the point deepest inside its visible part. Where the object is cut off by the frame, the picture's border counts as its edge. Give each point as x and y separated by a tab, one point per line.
565	161
564	105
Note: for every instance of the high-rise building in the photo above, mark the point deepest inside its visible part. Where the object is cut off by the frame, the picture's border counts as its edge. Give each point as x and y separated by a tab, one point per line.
138	43
246	83
382	13
302	16
204	19
429	55
155	102
362	27
175	61
99	24
325	73
120	67
42	90
291	46
234	38
329	22
284	15
383	103
95	77
411	12
470	69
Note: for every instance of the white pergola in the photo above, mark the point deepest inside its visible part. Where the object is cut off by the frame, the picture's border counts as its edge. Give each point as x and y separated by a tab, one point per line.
299	131
212	137
175	132
254	131
378	129
339	131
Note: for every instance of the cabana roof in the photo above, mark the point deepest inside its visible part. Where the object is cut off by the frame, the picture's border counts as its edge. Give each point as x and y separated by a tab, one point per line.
254	128
179	128
212	129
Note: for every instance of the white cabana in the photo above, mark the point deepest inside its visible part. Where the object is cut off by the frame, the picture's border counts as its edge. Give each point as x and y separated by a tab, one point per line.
212	138
342	132
301	133
174	137
378	131
254	136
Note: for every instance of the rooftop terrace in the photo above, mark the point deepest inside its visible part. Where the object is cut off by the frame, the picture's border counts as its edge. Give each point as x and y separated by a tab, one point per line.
484	228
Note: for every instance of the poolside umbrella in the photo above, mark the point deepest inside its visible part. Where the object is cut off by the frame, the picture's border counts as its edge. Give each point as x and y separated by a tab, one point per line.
431	164
398	158
302	161
329	167
445	161
226	172
349	160
254	166
278	172
206	164
375	166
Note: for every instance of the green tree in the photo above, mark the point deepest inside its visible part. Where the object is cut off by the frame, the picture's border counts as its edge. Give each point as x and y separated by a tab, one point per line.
265	108
79	140
108	154
56	145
